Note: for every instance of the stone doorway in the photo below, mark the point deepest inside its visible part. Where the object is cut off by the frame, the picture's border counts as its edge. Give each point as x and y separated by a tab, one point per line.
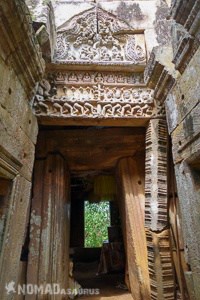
71	150
67	154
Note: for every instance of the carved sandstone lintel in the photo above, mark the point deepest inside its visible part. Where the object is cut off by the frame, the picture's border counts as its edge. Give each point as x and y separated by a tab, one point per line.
84	95
96	36
90	109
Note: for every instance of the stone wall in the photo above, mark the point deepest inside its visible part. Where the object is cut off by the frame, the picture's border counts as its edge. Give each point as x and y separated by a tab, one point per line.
21	66
184	127
177	87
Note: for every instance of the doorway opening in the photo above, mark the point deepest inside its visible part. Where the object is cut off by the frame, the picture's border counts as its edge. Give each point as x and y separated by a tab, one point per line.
78	164
96	242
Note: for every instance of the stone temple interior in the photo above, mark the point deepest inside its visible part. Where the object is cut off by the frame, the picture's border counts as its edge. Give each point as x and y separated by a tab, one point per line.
100	101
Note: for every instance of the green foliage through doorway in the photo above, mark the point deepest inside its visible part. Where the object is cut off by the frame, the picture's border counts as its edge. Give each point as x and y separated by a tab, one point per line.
97	220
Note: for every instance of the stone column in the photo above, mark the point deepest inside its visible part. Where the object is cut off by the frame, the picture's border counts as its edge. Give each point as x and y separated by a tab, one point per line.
131	204
156	212
49	225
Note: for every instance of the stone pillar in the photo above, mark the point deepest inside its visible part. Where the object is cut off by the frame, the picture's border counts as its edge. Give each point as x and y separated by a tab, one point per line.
156	212
49	225
131	204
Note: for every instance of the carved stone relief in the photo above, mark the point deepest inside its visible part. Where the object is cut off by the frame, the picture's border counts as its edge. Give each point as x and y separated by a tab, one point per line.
82	77
93	94
98	36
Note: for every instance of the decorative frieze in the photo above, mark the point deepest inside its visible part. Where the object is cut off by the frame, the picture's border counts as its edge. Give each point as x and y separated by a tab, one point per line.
91	77
88	109
99	37
93	94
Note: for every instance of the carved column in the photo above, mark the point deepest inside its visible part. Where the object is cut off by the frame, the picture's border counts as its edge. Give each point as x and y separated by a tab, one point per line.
49	225
131	202
156	212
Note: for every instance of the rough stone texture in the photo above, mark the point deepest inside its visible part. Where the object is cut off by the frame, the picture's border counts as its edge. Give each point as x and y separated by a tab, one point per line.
189	194
161	75
21	66
14	234
146	15
186	31
17	122
186	90
181	99
176	224
19	47
42	14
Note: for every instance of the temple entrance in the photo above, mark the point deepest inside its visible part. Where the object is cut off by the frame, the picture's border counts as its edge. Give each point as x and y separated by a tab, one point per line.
75	169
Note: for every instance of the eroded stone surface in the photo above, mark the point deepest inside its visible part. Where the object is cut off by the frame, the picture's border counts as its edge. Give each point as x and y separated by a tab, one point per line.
94	95
21	66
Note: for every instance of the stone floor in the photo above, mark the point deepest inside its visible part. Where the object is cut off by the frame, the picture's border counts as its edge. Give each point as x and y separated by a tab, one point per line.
109	285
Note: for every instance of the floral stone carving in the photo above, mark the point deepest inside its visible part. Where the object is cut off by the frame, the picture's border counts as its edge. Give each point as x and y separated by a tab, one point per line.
100	37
